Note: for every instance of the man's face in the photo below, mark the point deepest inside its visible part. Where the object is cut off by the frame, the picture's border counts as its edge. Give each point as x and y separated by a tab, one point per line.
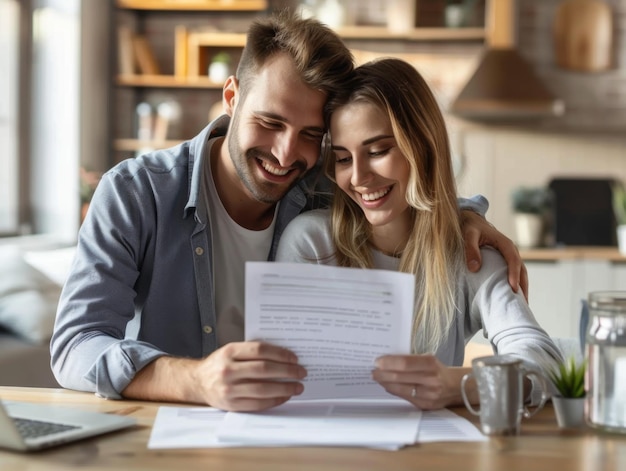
276	130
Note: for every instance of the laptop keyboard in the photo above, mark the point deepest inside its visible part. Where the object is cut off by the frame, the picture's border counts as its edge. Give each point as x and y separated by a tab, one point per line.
36	428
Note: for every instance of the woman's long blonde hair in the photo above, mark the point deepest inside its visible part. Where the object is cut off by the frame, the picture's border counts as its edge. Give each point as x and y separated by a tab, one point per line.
434	251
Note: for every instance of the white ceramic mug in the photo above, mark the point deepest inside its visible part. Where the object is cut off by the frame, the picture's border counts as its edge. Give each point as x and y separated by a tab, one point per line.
500	382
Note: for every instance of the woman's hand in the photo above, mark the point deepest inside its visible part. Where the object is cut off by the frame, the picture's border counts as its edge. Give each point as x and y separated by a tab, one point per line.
478	232
420	379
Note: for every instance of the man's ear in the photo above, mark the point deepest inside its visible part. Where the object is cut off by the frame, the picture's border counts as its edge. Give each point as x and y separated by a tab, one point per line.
230	94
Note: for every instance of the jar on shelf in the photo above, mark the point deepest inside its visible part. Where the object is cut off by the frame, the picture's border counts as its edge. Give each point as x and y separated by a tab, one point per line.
605	384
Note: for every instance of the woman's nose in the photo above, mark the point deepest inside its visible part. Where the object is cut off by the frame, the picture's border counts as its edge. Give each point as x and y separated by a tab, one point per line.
361	172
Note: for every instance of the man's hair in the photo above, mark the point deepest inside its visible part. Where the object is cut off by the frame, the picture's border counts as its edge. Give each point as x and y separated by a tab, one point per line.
434	250
319	55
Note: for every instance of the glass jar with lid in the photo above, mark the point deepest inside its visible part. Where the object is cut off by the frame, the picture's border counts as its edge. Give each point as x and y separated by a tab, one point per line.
605	382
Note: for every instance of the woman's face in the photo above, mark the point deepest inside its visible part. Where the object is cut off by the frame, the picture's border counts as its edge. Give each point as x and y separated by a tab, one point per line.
369	166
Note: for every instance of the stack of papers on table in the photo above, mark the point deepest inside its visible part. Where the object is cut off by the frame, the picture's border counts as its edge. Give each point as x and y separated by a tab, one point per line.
369	424
338	321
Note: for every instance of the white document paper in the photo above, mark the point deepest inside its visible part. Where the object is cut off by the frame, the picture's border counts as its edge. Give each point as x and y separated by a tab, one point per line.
337	320
186	427
326	423
196	427
443	425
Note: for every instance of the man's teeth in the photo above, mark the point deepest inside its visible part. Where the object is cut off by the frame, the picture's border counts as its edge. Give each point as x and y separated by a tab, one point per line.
274	170
376	195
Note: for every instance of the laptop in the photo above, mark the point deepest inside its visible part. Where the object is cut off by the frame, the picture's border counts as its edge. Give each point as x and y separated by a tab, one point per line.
25	426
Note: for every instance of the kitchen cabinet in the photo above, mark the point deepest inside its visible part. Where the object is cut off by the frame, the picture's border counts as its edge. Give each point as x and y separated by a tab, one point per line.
557	288
561	278
551	295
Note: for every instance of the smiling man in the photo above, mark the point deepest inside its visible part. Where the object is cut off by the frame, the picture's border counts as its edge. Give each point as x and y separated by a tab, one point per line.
153	308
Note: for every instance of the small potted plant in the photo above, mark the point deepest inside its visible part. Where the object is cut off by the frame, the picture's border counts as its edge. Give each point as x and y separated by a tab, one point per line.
530	205
219	69
569	380
619	209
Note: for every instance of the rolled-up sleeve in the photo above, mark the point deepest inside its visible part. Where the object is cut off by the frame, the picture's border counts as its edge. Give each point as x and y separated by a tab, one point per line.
88	348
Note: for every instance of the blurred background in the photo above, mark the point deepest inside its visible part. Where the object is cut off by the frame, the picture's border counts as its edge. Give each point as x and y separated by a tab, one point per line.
88	83
533	91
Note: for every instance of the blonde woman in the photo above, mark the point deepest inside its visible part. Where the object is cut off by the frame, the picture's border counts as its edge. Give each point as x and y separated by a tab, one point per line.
395	207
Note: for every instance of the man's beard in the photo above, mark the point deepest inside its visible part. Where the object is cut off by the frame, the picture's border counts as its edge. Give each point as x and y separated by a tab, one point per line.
245	163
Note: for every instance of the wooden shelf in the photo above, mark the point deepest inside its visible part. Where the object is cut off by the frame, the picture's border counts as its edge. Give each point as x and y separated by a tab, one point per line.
193	5
134	145
572	253
417	34
166	81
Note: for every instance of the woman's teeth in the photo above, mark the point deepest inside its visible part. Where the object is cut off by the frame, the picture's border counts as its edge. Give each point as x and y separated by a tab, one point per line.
376	195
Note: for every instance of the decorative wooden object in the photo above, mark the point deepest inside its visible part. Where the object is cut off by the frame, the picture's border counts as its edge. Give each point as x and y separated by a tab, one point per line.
583	35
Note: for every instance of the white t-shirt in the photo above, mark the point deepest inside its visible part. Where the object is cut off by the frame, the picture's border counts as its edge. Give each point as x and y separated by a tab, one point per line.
233	246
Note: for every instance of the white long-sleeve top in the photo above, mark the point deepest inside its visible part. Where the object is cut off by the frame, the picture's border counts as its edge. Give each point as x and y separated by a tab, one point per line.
484	299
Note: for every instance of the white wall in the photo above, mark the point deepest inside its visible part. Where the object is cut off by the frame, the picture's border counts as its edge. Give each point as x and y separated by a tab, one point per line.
497	160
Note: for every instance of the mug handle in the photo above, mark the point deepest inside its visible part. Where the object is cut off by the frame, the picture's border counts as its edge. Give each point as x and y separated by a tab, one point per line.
464	394
528	413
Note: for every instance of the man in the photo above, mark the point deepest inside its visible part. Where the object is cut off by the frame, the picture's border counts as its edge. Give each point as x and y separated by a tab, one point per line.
153	307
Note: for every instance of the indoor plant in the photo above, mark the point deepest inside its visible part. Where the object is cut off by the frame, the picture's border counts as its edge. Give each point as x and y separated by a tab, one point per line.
619	209
569	380
219	69
530	205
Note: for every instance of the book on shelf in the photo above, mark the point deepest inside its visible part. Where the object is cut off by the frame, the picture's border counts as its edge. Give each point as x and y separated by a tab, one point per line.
181	36
144	57
125	55
135	54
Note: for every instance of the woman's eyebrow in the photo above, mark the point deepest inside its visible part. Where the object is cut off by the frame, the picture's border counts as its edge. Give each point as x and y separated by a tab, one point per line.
366	142
376	138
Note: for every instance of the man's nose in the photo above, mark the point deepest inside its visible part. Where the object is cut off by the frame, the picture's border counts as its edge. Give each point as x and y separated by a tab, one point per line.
286	148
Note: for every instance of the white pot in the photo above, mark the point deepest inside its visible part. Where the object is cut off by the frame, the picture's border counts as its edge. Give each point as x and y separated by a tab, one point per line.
570	412
528	230
219	72
454	15
621	239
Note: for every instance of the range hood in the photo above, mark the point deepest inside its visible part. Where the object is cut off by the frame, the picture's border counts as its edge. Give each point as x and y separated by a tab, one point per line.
504	86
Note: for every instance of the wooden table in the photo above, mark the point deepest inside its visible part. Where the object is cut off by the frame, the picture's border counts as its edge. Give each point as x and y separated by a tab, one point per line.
542	446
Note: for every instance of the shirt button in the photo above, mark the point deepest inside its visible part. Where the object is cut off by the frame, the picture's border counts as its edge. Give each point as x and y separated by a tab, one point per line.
207	328
199	250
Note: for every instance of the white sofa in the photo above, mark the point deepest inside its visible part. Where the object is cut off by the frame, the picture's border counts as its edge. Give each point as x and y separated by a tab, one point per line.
30	284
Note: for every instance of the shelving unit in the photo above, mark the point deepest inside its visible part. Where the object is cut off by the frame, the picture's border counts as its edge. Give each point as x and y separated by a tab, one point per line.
193	48
193	5
381	33
184	71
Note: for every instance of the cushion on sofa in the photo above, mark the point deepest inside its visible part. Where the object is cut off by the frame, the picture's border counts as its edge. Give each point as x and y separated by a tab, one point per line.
28	298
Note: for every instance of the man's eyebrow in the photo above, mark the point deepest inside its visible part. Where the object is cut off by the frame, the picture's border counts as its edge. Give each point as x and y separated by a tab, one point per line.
277	117
270	115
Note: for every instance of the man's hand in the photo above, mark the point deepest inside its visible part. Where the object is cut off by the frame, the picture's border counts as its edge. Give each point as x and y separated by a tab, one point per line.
250	376
240	376
478	232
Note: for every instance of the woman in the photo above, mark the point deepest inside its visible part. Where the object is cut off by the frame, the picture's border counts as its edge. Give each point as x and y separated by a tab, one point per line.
395	208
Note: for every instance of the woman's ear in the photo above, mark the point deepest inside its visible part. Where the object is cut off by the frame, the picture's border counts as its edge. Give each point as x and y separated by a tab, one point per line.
230	94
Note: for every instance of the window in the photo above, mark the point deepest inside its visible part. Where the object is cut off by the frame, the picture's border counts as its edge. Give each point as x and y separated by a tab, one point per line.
9	105
40	130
